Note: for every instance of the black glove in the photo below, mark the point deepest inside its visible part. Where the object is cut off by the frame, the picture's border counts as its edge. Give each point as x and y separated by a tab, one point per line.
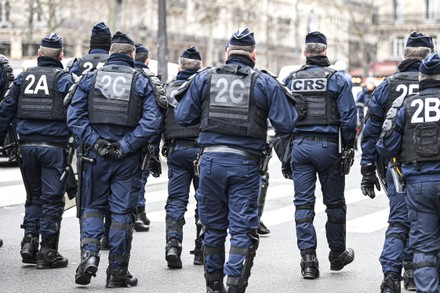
115	151
369	180
102	148
286	170
154	166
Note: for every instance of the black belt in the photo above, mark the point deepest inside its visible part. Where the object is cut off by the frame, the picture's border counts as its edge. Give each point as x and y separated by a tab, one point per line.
43	144
226	149
320	138
184	143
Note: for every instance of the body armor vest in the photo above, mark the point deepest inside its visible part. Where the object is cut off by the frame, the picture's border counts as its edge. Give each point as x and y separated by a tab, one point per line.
8	75
91	61
172	130
421	135
313	86
230	107
39	97
113	99
400	86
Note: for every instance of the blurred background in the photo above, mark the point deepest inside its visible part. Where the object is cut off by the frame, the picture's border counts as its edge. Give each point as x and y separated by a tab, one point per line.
368	36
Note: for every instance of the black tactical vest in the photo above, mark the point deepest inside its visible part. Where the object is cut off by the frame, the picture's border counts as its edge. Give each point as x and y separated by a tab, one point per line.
8	75
113	99
230	107
313	86
39	97
172	130
400	86
421	136
91	61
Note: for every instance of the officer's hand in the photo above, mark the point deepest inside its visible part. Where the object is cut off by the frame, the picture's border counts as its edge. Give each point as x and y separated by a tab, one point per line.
102	148
115	151
286	170
369	180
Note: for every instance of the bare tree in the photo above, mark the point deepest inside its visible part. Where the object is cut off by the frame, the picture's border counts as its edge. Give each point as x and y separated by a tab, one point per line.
162	42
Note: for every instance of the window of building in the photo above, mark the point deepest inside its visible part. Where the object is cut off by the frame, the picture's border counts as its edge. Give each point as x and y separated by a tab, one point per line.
398	10
398	46
4	11
429	11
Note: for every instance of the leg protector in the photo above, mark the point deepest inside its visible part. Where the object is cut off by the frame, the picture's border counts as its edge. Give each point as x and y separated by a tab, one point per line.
239	284
408	276
173	251
214	282
29	248
391	283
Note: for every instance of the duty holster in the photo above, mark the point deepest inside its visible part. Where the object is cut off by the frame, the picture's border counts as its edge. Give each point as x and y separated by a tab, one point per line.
265	158
196	163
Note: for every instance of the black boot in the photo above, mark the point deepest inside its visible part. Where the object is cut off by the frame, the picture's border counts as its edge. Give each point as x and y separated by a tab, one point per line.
391	283
1	242
142	223
408	276
262	229
104	242
198	255
120	277
338	260
214	282
48	258
29	248
172	254
309	264
87	268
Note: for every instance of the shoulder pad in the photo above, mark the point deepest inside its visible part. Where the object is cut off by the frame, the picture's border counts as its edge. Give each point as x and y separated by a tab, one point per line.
158	89
268	73
182	89
7	70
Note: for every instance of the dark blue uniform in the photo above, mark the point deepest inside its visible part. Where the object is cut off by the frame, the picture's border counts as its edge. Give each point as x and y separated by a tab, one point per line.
422	199
182	152
79	67
112	183
396	249
315	150
43	153
229	166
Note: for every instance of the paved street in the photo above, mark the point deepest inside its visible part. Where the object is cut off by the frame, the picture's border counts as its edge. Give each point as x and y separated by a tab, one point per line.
276	267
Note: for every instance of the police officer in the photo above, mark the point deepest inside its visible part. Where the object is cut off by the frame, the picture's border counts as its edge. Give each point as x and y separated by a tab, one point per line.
232	103
142	223
36	98
396	251
330	109
100	41
183	148
6	77
114	113
414	139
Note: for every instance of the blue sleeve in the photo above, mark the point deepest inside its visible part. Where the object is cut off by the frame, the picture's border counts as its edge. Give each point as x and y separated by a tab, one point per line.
189	108
389	147
77	113
346	107
150	123
9	105
373	124
74	68
64	83
281	112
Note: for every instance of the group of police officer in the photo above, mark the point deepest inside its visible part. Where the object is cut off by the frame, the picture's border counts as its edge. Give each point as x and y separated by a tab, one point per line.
214	122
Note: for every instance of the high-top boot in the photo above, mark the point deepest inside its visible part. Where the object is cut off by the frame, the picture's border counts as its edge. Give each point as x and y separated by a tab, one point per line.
391	283
120	277
29	248
338	260
142	223
309	264
48	257
214	282
262	229
198	252
172	254
87	268
198	255
408	276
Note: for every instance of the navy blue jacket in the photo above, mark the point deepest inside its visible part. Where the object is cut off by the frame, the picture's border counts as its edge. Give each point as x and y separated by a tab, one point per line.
389	147
35	130
339	86
130	140
376	109
268	94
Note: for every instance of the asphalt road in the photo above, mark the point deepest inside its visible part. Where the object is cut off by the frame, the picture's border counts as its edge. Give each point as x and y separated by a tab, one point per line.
276	267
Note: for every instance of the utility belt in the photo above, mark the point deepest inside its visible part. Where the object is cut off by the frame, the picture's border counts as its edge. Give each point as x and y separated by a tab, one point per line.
226	149
59	145
319	138
183	143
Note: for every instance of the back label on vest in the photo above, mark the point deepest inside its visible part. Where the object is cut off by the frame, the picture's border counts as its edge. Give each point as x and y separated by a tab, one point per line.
114	85
309	85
